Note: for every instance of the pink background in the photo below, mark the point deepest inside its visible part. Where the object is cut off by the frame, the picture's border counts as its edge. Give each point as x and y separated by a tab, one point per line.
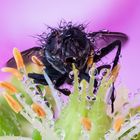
22	19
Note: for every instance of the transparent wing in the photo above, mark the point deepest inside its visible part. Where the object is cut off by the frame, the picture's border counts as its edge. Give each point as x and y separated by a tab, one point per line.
27	54
103	38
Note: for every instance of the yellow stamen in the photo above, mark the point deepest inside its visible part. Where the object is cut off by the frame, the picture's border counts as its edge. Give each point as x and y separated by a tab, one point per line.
115	72
13	71
86	122
39	110
118	123
8	86
13	103
37	61
18	58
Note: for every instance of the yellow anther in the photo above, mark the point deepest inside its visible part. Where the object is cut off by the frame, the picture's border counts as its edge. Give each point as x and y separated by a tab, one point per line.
13	103
8	86
38	110
13	71
118	123
37	61
86	122
18	58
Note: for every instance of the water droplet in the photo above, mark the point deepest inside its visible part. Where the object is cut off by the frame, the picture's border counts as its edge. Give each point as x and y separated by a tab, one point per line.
80	88
107	135
79	98
98	82
136	95
90	73
85	134
59	94
88	97
89	107
130	95
100	35
135	137
103	72
95	90
98	52
136	117
61	133
91	98
125	108
71	75
120	56
126	124
69	24
96	72
51	123
105	30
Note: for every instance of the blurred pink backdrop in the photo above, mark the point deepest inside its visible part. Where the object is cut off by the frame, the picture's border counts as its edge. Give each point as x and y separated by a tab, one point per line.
22	19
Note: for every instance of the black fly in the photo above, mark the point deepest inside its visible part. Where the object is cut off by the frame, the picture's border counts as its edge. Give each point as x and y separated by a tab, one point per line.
71	44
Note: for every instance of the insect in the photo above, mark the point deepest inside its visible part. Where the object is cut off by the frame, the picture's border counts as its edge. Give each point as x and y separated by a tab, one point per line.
71	44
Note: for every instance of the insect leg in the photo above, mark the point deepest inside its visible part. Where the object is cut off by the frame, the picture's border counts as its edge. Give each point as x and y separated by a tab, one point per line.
60	81
103	67
98	72
112	98
104	52
38	78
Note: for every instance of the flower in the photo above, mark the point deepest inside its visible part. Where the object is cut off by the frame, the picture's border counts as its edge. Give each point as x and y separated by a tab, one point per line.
85	116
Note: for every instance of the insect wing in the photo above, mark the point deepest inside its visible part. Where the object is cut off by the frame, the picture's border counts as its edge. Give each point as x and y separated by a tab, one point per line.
102	39
27	54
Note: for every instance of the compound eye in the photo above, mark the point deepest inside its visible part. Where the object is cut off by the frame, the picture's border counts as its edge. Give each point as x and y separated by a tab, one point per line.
70	60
